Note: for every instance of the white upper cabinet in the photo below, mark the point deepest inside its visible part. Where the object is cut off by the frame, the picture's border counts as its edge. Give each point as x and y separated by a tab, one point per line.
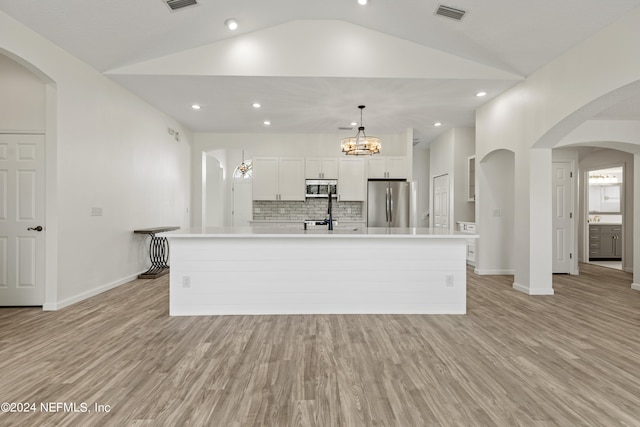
377	167
388	167
321	168
351	180
278	178
291	179
265	178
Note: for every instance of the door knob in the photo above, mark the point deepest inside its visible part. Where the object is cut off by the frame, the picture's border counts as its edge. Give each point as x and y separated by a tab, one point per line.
38	228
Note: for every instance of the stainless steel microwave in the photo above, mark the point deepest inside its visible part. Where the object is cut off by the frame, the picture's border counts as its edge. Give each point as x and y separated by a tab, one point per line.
322	187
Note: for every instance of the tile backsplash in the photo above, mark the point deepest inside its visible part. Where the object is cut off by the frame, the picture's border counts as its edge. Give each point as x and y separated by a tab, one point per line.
309	209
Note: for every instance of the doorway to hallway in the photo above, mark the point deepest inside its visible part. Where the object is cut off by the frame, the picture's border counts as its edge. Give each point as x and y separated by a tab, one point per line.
605	216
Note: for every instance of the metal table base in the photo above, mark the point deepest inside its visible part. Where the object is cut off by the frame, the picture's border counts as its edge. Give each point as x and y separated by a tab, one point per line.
158	252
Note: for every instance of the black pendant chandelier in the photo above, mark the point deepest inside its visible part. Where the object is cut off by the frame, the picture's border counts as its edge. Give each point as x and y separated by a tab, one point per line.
361	144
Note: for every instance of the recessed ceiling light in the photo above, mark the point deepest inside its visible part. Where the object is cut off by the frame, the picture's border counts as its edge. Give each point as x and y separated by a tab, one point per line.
196	107
481	94
231	24
437	124
256	105
362	2
354	124
267	122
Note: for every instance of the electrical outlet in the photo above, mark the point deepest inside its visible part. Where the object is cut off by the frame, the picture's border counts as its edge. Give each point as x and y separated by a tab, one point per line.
186	281
449	281
348	210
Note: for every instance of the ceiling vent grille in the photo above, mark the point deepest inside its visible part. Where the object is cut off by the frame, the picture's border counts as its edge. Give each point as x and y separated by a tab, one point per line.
179	4
344	128
450	12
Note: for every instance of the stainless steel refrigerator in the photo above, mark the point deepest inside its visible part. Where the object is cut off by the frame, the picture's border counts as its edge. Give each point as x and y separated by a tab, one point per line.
388	203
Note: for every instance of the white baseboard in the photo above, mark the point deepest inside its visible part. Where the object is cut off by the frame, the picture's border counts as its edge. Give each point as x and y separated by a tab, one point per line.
494	272
627	270
532	291
52	306
635	286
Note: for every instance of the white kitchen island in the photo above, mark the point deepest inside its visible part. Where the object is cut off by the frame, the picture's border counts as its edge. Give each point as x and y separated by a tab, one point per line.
225	271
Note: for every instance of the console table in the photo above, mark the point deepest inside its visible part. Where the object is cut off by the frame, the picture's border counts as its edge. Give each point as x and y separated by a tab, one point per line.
158	252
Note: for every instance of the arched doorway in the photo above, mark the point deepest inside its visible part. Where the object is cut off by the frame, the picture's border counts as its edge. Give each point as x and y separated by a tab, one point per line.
594	157
28	238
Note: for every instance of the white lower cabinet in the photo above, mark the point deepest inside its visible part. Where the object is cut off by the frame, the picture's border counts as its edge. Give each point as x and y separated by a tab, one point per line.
469	227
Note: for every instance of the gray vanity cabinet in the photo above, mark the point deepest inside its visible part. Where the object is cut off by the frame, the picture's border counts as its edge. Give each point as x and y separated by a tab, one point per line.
605	241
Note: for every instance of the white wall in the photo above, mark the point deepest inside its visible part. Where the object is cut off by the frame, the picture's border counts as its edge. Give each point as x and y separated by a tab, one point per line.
214	193
495	247
312	48
23	100
623	135
105	148
539	112
421	177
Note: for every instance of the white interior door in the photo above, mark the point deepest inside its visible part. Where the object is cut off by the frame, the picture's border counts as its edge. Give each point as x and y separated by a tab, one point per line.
441	201
22	211
562	217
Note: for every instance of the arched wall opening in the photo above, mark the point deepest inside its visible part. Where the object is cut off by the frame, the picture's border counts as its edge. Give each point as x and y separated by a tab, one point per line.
44	77
621	136
553	137
594	155
34	110
534	116
225	201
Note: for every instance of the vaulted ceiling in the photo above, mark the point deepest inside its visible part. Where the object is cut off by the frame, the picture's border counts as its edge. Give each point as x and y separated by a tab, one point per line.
311	63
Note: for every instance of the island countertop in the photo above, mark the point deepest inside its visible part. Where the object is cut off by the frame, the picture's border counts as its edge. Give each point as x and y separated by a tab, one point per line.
358	232
258	270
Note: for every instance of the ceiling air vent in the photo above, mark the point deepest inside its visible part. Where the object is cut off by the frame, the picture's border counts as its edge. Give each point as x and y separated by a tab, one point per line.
179	4
344	128
450	12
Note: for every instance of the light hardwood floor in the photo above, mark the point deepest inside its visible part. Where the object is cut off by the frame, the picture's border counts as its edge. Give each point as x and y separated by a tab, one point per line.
514	360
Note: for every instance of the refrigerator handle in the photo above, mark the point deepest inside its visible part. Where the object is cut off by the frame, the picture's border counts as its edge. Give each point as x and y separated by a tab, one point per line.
386	204
390	204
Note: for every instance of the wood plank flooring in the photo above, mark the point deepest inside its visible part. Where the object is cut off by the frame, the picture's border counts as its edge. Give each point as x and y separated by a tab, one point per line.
572	359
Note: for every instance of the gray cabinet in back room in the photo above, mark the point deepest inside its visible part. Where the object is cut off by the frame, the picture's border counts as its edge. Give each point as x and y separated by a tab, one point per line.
605	241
